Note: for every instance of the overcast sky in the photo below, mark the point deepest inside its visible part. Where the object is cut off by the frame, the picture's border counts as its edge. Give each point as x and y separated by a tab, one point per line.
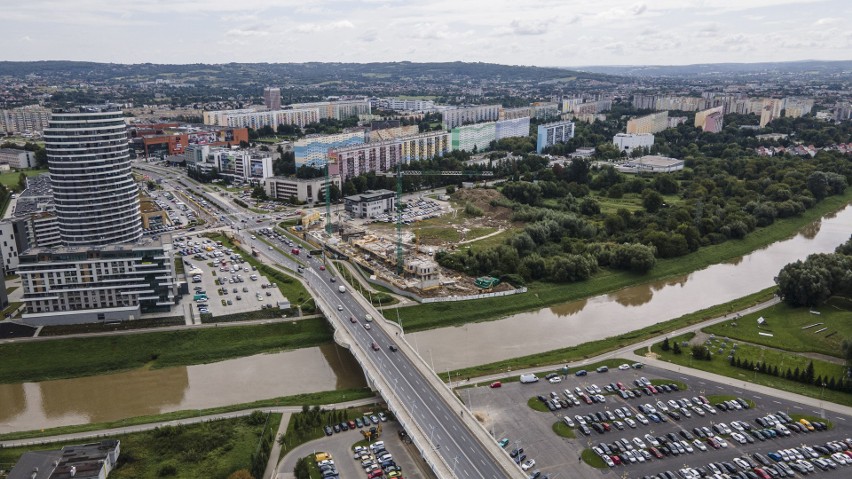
516	32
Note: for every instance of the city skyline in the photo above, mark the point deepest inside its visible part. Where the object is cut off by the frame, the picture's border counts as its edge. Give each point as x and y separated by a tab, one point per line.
539	32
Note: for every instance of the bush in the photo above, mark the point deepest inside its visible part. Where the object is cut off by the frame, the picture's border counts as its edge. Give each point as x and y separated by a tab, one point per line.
167	469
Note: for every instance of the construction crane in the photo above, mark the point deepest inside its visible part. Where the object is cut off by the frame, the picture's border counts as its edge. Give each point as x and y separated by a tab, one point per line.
400	173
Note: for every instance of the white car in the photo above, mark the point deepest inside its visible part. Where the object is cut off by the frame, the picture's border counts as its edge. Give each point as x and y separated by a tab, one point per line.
340	307
721	441
554	380
699	445
528	464
624	366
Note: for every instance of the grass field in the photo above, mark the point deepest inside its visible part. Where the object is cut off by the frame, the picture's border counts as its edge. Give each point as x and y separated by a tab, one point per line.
64	358
720	365
10	179
435	315
209	449
537	405
592	459
594	348
562	430
786	326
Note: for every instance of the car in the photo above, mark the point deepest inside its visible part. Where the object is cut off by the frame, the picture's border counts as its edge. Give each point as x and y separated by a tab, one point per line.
340	307
367	326
528	464
517	451
328	430
503	442
375	346
392	347
352	319
624	366
554	380
602	369
496	384
322	268
581	372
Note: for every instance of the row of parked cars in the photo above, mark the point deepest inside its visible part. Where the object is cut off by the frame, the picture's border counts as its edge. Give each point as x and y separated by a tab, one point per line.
780	464
358	422
377	461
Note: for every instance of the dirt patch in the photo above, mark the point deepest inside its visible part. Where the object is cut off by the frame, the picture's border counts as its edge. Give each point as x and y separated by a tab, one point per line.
494	216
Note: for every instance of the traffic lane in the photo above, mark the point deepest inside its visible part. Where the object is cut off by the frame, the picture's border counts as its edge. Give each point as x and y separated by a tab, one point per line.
450	448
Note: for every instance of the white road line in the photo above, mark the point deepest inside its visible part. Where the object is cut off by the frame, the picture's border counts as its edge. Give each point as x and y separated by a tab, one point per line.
797	407
777	402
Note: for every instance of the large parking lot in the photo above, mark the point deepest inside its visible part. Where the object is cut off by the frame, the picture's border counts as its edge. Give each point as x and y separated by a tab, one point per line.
506	414
230	279
418	209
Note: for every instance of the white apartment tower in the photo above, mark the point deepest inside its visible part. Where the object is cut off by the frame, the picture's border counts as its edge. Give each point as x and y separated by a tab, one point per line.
96	199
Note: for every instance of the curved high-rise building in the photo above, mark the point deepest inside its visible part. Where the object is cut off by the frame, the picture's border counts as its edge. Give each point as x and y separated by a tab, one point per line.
96	199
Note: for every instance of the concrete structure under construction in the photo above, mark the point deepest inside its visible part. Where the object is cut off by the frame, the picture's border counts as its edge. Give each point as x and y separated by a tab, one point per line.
95	197
96	284
550	134
302	190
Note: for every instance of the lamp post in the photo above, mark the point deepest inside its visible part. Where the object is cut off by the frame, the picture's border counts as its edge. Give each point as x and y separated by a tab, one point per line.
821	408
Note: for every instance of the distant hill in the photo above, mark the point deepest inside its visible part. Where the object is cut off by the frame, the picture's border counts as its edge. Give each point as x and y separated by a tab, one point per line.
815	66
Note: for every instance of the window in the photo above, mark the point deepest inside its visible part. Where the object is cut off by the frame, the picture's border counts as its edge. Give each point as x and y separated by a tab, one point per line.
101	316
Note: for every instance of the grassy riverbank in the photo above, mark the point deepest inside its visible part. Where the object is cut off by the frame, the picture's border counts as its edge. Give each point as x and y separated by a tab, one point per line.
595	348
209	449
65	358
309	399
435	315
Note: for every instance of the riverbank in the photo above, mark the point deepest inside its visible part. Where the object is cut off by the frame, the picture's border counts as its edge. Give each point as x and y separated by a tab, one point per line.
31	361
437	315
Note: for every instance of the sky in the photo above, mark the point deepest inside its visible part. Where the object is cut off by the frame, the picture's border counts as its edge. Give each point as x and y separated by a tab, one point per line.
514	32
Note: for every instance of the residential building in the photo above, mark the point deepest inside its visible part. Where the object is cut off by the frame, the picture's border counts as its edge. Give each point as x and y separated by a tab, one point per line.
651	164
550	134
544	110
425	146
272	118
674	121
453	117
772	108
475	137
24	120
272	98
370	203
313	150
94	194
512	113
512	128
89	461
842	111
337	110
797	107
383	134
568	104
91	284
18	159
627	142
13	241
303	190
406	104
377	157
4	297
220	117
653	123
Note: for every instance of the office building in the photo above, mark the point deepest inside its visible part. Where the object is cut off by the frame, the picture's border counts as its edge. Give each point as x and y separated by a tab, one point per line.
18	159
376	157
512	128
26	120
13	241
627	142
302	190
94	194
272	98
241	165
370	203
337	110
711	120
91	284
313	150
653	123
552	133
453	117
89	461
475	137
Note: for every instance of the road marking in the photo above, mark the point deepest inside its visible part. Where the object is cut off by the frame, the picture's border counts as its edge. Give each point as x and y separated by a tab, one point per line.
841	418
719	387
777	402
797	407
758	397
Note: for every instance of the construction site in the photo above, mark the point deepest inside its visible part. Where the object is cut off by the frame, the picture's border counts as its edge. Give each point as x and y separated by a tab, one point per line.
400	247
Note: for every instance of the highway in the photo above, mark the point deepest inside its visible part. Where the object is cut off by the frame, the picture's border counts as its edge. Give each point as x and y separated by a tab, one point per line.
443	425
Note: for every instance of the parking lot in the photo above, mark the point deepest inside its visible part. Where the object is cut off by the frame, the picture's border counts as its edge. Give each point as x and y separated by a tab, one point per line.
418	209
230	279
506	414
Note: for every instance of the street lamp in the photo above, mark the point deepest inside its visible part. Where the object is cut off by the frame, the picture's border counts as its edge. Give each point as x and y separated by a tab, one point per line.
821	393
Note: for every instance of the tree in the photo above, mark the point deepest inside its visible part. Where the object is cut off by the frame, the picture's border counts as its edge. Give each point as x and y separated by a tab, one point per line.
676	348
665	346
652	201
259	193
241	474
22	181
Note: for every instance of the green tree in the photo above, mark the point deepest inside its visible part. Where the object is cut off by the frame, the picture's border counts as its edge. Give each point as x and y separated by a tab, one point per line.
259	193
676	348
665	346
22	181
652	201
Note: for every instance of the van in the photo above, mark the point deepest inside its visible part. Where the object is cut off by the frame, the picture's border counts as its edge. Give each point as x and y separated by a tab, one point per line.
528	378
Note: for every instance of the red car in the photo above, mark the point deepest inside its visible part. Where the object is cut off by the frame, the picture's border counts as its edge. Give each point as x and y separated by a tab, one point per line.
656	452
352	424
615	459
376	473
761	473
606	426
496	384
322	268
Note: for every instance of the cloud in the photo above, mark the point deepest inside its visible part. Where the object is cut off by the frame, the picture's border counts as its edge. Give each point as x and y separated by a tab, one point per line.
822	22
323	27
639	9
529	28
369	36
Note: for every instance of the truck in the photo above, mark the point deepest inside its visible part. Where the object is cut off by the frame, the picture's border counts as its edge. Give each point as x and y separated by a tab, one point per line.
342	289
528	378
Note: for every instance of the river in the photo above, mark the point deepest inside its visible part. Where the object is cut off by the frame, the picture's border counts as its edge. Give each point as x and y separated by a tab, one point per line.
108	397
628	309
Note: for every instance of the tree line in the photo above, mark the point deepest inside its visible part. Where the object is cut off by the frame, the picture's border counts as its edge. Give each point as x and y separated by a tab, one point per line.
820	276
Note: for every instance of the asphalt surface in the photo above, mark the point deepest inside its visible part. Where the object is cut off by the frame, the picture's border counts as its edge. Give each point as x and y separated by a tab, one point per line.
506	414
448	435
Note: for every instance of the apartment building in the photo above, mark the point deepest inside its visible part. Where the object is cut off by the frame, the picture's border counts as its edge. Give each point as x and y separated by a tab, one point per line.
425	146
272	98
513	113
18	159
512	128
337	110
404	104
710	120
24	120
95	284
378	157
238	165
313	150
653	123
552	133
13	241
302	190
475	137
453	117
544	110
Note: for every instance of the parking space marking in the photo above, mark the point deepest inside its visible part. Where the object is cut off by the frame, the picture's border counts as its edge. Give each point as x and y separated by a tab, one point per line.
776	402
797	407
758	397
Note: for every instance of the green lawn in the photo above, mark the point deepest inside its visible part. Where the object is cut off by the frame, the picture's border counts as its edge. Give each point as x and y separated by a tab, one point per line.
10	179
210	449
562	430
540	295
720	365
592	459
64	358
537	405
786	324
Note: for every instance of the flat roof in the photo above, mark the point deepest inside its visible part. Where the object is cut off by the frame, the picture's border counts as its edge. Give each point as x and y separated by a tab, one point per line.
653	160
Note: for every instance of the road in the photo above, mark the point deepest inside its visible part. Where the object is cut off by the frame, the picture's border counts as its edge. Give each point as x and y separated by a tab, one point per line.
449	435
